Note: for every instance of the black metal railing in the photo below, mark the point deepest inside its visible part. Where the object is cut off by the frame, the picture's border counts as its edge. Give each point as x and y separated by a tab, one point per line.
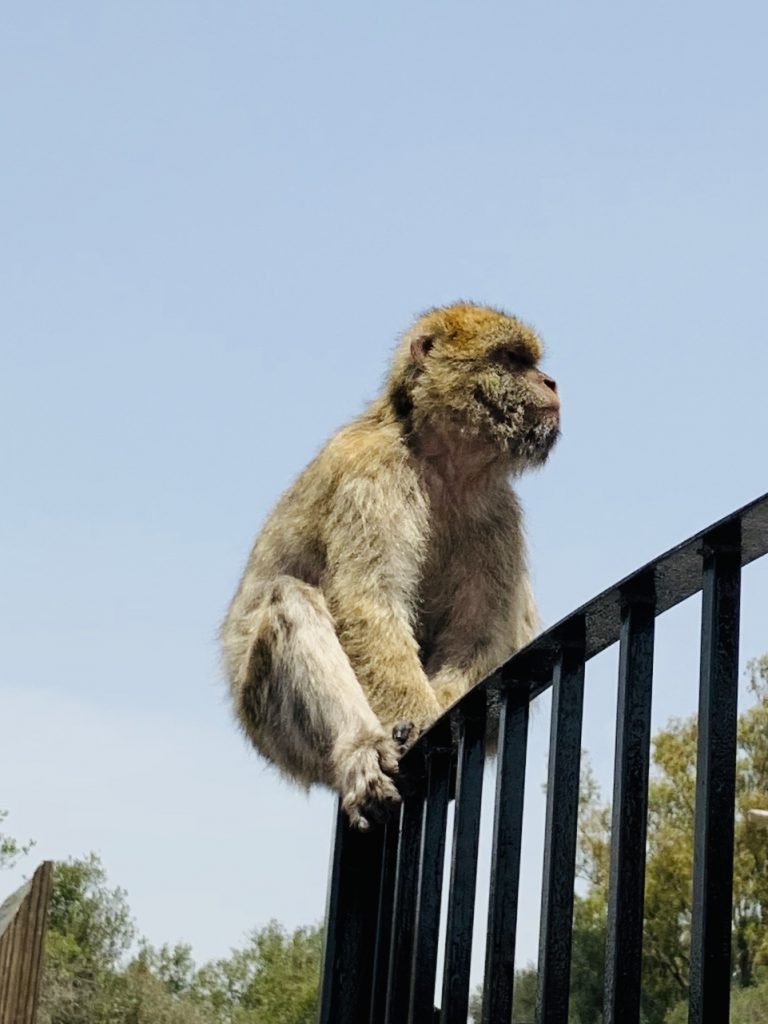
386	886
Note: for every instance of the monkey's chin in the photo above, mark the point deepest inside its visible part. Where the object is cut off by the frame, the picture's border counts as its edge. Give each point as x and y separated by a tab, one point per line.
533	448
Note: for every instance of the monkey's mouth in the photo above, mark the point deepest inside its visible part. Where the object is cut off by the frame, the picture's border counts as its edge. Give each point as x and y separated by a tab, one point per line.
528	434
549	414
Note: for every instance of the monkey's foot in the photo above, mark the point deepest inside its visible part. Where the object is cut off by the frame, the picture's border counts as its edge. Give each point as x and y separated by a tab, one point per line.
368	793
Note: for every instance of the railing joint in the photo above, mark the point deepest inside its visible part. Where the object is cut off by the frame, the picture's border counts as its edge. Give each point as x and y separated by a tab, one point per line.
640	592
723	540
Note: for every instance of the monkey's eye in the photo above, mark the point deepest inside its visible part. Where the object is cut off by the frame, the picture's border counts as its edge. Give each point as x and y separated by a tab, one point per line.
509	358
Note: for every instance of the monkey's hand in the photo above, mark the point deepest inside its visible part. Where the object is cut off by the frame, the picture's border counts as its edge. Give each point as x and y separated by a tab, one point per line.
364	770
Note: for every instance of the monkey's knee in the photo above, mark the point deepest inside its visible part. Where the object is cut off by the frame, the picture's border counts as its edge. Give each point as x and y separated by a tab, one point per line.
303	708
283	685
263	638
292	601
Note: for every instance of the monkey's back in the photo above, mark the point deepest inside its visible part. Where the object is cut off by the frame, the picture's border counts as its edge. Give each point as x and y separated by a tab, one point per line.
293	539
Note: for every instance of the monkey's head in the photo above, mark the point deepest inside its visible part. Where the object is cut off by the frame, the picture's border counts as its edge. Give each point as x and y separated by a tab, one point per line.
473	371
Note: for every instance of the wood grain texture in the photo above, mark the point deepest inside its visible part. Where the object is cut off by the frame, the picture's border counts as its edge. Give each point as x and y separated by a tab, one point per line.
22	933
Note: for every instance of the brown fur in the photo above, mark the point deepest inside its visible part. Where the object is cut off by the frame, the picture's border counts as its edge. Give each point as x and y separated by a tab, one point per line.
391	577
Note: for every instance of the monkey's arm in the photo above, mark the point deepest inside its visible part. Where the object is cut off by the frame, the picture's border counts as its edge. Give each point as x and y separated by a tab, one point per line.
374	538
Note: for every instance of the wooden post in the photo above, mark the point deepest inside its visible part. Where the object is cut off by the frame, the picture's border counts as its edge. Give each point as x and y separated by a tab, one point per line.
22	933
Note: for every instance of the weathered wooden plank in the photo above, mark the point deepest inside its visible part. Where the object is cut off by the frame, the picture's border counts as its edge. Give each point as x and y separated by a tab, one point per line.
22	934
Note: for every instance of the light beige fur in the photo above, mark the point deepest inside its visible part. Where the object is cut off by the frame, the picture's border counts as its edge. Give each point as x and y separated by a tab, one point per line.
392	576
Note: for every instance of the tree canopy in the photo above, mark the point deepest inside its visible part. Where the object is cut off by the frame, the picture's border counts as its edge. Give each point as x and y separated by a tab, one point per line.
91	977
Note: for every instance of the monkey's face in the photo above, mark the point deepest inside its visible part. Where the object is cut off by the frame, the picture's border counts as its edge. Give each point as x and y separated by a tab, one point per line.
474	371
514	406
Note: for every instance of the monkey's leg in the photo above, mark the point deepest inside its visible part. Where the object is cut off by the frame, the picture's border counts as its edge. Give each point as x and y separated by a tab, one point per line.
303	707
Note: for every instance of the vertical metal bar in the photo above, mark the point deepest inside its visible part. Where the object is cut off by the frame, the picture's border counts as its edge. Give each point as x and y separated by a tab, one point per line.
505	861
560	837
430	884
626	893
403	910
466	830
716	780
384	924
350	921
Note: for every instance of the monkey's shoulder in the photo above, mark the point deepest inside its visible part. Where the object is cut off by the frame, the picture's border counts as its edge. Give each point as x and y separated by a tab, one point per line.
363	457
368	440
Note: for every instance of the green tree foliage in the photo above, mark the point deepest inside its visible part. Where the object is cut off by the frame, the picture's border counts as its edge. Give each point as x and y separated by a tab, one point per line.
90	978
274	978
523	998
748	1006
10	849
89	931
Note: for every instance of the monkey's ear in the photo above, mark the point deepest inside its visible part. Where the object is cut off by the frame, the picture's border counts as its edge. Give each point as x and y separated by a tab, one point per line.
420	347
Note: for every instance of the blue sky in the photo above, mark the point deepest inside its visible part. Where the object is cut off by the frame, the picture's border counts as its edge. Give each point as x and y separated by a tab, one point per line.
215	218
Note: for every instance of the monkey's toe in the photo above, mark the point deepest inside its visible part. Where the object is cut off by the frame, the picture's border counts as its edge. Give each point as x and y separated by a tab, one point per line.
376	808
369	796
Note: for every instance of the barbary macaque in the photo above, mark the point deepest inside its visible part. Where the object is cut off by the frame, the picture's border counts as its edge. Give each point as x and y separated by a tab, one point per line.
391	577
